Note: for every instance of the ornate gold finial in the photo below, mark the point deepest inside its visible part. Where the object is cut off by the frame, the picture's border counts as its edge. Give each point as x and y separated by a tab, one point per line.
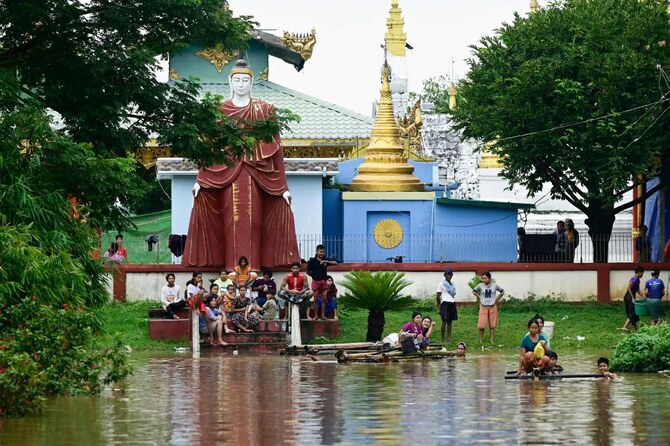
302	44
174	75
410	128
489	160
534	6
385	167
217	56
453	92
395	37
263	75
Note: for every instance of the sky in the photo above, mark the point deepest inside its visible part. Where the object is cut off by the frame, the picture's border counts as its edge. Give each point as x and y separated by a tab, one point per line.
345	66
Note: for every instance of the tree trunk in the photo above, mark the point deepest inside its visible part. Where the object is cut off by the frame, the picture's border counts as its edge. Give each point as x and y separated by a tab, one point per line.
600	231
375	325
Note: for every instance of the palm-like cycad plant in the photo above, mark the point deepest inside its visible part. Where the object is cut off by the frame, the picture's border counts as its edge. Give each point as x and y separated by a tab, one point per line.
375	292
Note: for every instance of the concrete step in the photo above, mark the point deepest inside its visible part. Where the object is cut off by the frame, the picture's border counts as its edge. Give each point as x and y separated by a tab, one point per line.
269	347
169	329
159	313
311	329
255	338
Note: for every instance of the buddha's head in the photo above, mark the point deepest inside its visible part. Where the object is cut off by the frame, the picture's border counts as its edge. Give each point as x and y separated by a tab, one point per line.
241	78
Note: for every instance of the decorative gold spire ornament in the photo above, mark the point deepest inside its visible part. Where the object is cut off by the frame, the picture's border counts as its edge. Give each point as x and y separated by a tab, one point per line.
302	44
385	167
453	92
534	6
395	37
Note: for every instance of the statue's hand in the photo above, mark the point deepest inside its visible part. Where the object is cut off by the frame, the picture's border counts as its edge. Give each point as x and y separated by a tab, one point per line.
288	197
196	189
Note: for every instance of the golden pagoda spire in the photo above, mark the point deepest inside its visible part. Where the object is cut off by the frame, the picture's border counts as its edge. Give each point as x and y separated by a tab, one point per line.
452	97
395	37
385	167
534	6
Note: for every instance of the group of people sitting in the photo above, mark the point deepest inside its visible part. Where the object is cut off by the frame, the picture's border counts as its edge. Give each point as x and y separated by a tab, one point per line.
415	335
538	357
536	353
245	299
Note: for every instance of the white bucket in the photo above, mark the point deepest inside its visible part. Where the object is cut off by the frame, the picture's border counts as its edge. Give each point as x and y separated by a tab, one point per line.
548	330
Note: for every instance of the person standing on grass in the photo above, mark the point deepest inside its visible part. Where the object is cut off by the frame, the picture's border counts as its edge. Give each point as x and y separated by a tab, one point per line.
123	252
488	294
171	297
446	302
629	299
654	289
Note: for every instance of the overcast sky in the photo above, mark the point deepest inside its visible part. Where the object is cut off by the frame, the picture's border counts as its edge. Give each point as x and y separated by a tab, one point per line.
346	62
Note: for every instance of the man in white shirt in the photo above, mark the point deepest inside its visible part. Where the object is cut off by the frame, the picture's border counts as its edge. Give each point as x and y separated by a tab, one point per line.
446	302
171	297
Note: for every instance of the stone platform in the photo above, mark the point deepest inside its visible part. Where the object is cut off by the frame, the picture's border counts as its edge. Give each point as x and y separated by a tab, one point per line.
270	336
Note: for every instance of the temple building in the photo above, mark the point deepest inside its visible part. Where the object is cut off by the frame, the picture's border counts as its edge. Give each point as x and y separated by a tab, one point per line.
363	187
312	147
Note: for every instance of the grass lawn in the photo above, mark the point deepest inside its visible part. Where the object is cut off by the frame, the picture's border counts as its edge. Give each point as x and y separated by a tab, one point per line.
158	223
597	323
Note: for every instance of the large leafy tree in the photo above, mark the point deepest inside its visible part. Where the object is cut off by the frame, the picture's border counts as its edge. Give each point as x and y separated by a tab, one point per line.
575	95
78	95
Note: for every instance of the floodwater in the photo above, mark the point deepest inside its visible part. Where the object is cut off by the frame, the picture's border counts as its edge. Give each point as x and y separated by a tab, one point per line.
269	400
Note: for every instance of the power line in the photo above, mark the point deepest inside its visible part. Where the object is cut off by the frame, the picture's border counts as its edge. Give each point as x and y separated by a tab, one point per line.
586	121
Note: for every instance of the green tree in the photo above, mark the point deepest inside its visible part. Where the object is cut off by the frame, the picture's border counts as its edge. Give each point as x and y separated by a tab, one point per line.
376	292
574	95
93	65
78	96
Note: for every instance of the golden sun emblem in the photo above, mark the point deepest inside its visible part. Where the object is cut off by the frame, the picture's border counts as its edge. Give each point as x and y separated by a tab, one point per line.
388	233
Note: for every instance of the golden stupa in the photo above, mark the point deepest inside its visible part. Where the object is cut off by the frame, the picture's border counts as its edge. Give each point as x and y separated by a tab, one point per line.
385	167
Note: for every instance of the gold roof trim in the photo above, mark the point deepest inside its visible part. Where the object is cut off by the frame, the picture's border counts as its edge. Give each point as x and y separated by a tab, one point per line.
217	56
301	43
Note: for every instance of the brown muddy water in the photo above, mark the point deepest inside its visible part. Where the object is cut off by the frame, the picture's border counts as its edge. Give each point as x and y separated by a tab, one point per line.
270	400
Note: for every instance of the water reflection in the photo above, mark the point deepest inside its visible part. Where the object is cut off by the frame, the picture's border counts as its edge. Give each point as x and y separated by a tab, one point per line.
277	400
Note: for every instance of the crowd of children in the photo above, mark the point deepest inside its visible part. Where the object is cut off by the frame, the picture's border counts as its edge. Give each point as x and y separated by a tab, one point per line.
244	299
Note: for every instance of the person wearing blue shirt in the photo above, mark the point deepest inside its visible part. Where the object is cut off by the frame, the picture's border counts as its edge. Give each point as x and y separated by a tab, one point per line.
654	289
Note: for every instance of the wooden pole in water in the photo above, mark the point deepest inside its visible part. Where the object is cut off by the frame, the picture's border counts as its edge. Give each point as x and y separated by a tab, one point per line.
195	331
296	337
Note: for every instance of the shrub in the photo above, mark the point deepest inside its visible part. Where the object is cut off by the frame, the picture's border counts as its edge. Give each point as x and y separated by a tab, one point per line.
375	292
648	350
52	351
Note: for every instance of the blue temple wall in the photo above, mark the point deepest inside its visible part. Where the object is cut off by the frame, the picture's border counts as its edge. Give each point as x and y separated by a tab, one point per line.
474	233
361	216
333	212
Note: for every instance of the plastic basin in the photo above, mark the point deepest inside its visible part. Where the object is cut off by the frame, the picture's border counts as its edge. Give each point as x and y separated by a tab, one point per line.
641	307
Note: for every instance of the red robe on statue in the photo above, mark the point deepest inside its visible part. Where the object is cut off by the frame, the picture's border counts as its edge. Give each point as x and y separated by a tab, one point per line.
239	210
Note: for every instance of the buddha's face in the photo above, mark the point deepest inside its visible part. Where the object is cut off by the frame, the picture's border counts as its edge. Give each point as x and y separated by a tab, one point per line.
241	84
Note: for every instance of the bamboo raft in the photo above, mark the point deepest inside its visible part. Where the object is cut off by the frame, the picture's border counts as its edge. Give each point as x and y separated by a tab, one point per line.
331	349
394	355
540	377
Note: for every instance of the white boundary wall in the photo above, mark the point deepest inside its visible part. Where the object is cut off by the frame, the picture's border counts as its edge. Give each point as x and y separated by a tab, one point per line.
570	286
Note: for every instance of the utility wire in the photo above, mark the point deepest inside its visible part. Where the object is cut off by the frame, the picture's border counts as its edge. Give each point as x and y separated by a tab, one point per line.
586	121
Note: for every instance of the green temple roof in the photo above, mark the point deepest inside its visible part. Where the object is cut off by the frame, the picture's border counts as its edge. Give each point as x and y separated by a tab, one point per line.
318	119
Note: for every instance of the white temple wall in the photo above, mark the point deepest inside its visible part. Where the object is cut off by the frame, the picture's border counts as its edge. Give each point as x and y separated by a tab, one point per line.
576	285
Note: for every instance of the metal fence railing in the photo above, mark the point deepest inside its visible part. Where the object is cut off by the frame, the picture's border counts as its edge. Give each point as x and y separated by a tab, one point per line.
426	248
